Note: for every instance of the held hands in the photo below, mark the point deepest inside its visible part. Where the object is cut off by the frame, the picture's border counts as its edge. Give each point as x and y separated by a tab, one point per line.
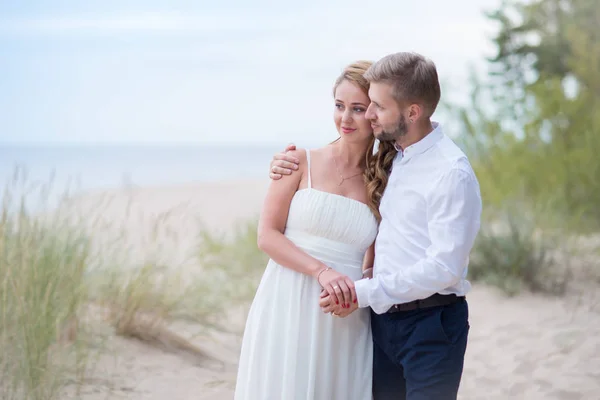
328	306
338	295
338	286
283	164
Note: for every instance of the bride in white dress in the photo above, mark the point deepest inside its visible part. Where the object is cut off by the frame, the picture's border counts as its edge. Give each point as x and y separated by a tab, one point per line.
318	230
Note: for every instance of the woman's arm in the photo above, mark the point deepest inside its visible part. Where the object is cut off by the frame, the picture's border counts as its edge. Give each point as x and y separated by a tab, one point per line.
368	261
280	249
273	220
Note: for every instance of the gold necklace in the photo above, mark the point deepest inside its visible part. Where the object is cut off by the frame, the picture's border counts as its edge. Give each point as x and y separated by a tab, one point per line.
340	174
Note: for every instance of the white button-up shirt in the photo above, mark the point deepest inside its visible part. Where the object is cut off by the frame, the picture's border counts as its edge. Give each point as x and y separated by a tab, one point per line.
430	211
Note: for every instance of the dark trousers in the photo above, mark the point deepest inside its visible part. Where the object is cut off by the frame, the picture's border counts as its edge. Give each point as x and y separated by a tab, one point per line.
419	355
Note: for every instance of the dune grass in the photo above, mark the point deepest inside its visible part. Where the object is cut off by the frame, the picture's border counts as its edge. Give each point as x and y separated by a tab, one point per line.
145	298
53	274
234	261
514	254
223	274
42	296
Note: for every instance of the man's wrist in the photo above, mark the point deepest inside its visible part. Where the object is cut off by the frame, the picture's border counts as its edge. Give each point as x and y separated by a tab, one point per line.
361	288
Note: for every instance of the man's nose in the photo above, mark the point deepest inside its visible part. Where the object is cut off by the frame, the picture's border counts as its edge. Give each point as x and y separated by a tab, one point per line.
369	114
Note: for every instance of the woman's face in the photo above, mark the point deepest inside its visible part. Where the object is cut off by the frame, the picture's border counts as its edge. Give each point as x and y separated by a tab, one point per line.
349	115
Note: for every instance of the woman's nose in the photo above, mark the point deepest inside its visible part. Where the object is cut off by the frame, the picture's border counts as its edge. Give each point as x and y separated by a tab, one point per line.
347	116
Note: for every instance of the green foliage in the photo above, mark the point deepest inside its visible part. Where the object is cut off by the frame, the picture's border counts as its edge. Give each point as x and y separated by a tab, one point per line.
541	143
532	130
512	254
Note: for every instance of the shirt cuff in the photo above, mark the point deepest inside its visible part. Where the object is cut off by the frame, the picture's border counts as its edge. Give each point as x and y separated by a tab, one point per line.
362	287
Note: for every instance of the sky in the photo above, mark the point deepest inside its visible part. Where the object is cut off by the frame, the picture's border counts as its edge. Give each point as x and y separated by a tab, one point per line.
212	71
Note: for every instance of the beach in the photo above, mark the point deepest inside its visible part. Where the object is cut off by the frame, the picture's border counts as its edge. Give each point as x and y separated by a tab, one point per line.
135	149
524	347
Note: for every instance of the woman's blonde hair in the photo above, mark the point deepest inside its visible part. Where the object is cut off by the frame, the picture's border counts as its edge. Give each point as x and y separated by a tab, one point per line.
355	73
376	165
377	173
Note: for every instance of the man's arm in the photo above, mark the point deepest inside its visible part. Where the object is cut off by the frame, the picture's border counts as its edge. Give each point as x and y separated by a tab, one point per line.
283	163
454	213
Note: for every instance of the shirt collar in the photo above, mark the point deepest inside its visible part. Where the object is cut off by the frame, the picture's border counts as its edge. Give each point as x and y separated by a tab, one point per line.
422	145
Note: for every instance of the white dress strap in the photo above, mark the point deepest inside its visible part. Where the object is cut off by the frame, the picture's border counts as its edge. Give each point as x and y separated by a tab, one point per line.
308	166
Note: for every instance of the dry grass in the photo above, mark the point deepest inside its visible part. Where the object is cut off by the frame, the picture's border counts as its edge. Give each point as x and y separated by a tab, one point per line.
233	261
143	302
512	253
42	296
57	284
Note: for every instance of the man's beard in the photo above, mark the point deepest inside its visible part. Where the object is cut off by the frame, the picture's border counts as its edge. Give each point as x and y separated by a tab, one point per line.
392	136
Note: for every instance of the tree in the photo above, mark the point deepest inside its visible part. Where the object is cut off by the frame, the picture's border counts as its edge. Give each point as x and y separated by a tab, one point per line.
543	141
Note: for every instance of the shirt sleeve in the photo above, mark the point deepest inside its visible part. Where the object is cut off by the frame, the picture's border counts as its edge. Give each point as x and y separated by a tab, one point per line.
454	214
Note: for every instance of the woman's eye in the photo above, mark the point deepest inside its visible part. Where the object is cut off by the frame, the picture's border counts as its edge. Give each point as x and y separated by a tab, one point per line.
359	110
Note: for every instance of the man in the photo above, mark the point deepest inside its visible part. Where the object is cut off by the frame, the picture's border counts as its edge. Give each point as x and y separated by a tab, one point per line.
430	214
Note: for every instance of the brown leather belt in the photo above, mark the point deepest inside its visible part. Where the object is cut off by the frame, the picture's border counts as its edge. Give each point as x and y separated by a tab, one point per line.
435	300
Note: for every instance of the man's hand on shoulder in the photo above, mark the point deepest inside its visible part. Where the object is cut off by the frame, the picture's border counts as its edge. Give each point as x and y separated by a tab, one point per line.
283	163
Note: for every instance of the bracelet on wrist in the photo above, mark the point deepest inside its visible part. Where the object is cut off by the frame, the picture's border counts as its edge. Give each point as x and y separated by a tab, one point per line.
320	272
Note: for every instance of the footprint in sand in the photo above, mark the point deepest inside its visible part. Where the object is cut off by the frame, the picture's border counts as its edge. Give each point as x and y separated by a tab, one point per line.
526	366
566	395
543	384
567	341
505	340
554	361
518	388
488	382
509	334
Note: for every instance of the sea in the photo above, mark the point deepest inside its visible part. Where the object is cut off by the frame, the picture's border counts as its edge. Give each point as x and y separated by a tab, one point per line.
75	168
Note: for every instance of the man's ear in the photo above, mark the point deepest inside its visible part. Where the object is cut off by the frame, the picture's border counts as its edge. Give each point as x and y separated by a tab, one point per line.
415	112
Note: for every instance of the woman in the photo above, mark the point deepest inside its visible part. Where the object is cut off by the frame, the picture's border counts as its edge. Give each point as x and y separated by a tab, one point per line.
318	226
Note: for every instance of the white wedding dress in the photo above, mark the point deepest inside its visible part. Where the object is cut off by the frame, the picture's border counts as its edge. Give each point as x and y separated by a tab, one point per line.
291	350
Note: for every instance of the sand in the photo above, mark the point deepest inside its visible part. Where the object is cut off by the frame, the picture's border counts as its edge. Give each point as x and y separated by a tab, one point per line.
526	347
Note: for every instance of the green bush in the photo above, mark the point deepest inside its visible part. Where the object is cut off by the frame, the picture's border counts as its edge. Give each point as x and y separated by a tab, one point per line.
511	253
